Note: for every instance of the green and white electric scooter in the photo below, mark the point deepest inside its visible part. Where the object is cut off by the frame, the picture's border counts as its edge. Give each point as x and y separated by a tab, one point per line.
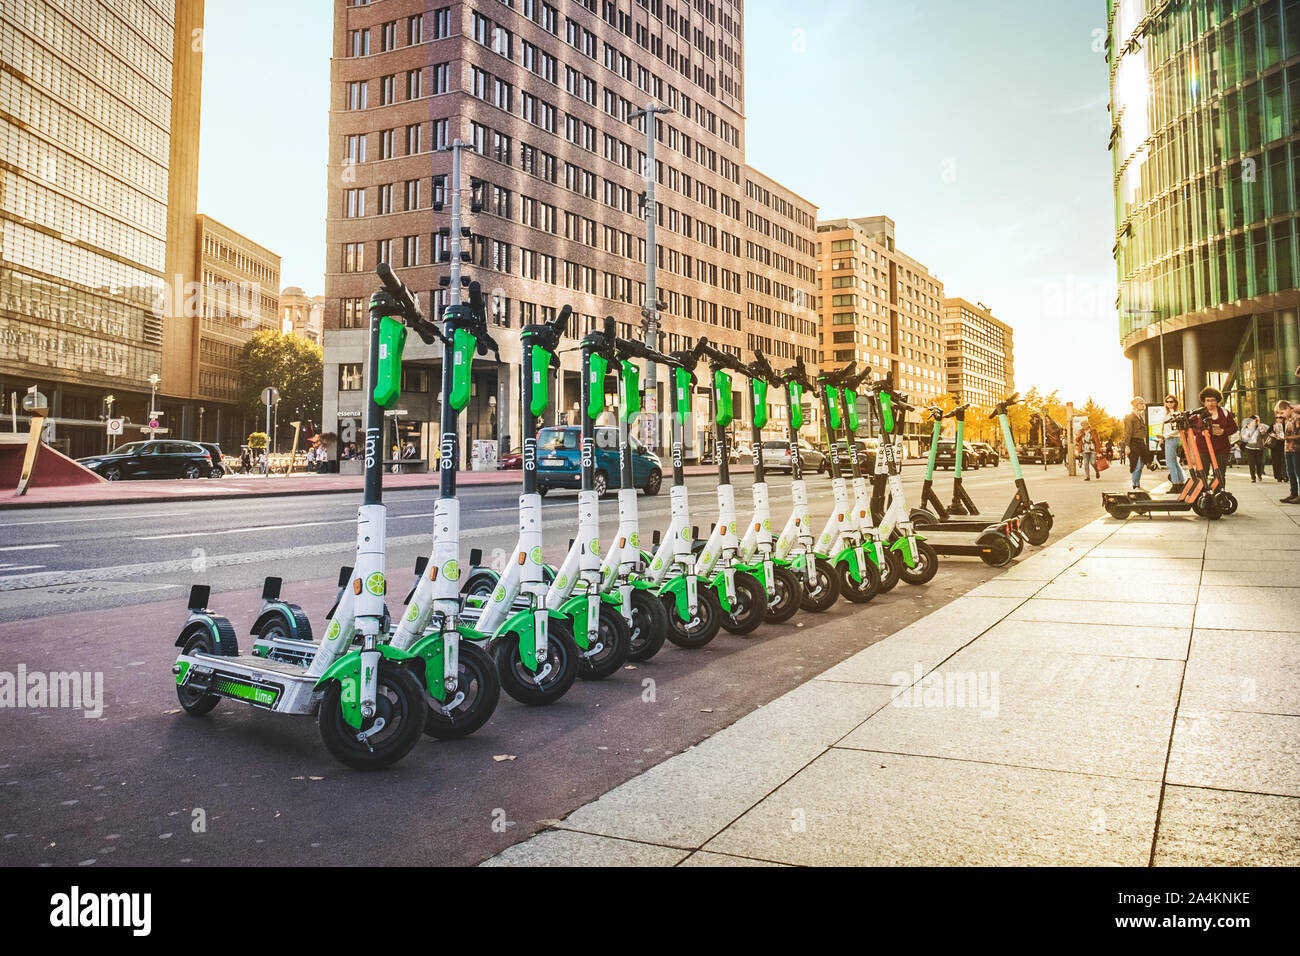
370	706
888	503
742	595
842	540
757	555
797	543
593	611
459	675
694	608
625	563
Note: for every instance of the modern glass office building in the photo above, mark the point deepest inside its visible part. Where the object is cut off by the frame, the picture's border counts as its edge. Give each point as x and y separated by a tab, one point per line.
1205	107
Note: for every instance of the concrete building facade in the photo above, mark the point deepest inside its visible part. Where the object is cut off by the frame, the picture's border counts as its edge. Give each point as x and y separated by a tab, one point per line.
1205	102
301	314
979	353
545	94
880	308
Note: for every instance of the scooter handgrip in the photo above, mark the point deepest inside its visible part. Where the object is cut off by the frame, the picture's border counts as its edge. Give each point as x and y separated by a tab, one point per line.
399	292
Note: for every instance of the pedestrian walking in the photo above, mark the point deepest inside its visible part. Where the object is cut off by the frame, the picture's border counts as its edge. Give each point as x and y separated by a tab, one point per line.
1253	435
245	460
1088	451
1135	440
1169	433
1221	427
1289	416
1275	441
1110	449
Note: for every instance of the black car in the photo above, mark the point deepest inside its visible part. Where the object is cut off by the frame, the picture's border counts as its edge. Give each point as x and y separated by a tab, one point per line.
152	459
214	452
866	456
946	457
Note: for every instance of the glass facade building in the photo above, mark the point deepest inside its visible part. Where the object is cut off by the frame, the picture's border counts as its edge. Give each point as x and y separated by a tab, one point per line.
85	99
1205	142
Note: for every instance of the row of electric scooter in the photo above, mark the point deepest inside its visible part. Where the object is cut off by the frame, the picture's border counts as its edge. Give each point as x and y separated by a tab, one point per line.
377	683
1202	493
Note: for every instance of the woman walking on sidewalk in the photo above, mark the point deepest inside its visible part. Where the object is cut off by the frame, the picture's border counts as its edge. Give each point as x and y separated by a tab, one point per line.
1170	435
1222	426
1088	451
1291	434
1135	439
1276	440
1253	434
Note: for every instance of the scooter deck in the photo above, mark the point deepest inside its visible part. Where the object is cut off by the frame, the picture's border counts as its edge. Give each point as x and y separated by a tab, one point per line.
267	684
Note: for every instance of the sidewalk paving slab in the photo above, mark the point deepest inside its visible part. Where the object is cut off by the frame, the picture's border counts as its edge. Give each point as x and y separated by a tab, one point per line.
584	849
1125	612
1103	639
1231	750
1255	671
1200	827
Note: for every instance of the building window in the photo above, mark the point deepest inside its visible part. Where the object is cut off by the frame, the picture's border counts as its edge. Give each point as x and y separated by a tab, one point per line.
354	257
358	43
414	84
412	190
385	193
350	377
384	250
356	96
410	251
354	315
354	203
415	29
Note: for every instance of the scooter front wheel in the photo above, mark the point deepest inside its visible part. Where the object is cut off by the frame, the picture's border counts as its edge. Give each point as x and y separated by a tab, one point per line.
476	678
861	591
825	590
927	564
889	572
399	701
750	606
197	703
789	595
995	549
649	625
1227	502
1034	524
703	627
559	669
615	640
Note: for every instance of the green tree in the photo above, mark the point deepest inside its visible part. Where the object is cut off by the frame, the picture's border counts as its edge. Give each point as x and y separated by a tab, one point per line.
290	363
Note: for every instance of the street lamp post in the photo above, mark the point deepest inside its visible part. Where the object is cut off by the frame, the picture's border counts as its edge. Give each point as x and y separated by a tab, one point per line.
650	312
108	413
154	381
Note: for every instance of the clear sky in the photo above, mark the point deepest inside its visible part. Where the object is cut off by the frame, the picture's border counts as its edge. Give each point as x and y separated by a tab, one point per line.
979	127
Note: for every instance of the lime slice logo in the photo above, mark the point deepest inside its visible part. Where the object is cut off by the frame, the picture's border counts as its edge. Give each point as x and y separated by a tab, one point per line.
333	631
375	583
562	582
451	570
413	613
499	594
686	534
536	555
658	564
635	539
733	527
767	524
595	546
706	557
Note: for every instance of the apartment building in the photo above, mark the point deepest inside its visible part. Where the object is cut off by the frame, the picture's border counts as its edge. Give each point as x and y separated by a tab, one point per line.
880	308
546	96
979	358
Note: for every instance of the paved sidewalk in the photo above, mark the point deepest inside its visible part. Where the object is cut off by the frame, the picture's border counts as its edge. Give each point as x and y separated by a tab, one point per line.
1128	696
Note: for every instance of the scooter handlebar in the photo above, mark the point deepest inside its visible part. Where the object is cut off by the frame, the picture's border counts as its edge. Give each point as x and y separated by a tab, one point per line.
631	348
408	305
1002	406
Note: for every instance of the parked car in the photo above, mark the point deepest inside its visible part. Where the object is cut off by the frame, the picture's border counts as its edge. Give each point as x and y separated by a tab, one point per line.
866	450
152	459
987	453
947	456
777	456
218	459
511	459
1033	454
559	461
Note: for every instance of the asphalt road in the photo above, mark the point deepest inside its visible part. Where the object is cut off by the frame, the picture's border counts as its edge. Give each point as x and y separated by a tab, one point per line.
100	590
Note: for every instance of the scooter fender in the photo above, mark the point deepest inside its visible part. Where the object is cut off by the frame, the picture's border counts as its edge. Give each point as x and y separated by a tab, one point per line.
575	609
677	587
222	631
295	621
347	671
719	585
903	547
520	624
430	650
849	556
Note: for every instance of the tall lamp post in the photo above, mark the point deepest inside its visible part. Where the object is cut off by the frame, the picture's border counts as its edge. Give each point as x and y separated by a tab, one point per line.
108	413
652	304
154	381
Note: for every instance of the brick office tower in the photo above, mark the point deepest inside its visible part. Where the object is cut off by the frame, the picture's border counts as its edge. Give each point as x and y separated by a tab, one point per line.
544	93
881	308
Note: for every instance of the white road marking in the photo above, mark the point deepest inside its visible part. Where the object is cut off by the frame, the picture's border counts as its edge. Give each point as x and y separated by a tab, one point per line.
10	568
29	547
161	514
270	527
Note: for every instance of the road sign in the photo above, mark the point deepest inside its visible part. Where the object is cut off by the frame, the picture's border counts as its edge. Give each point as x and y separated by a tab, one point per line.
115	426
270	396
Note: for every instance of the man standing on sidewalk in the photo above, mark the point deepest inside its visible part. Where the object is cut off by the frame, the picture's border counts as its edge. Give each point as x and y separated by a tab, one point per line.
1291	434
1135	439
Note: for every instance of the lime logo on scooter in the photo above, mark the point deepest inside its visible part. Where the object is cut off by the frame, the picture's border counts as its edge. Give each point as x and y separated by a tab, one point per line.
588	453
447	448
375	583
686	534
333	630
499	595
595	546
635	540
530	454
414	612
451	570
536	555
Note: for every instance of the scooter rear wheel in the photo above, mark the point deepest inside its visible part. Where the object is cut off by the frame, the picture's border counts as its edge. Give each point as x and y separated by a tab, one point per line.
1209	507
859	592
1227	502
789	595
399	701
927	564
703	627
196	703
750	606
826	589
520	683
615	638
1035	526
649	625
998	549
477	679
